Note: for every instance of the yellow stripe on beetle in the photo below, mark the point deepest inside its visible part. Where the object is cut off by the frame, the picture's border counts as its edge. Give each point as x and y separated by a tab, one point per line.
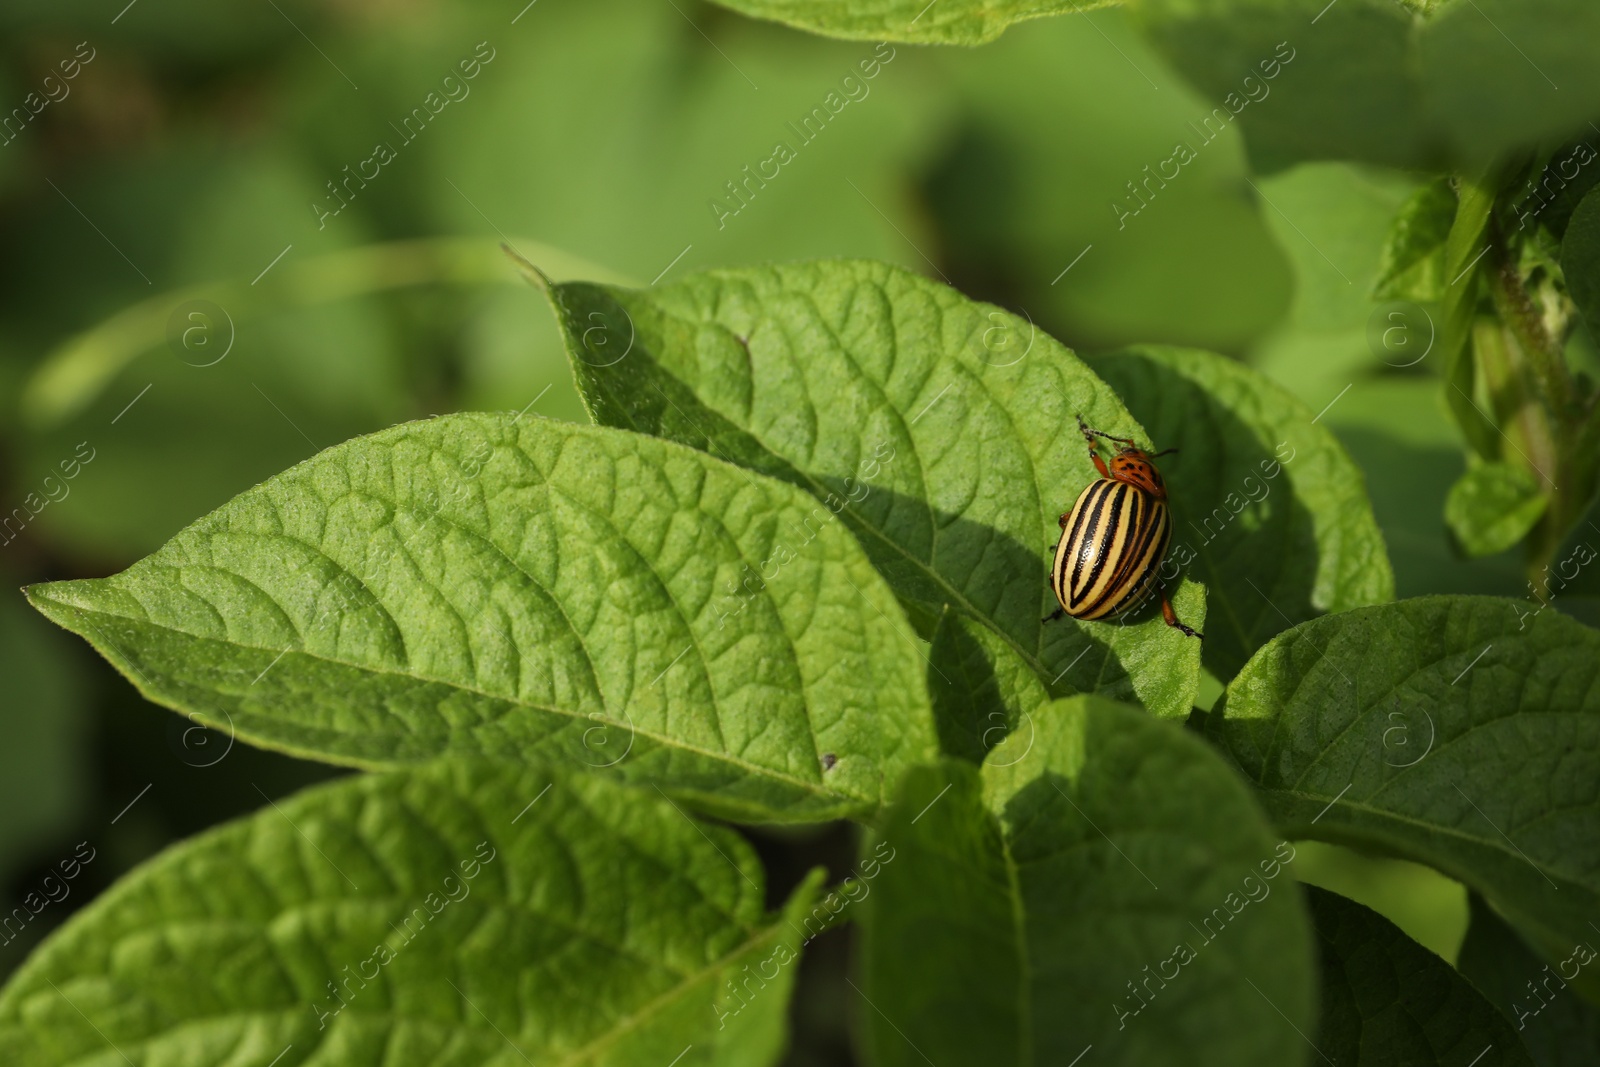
1114	538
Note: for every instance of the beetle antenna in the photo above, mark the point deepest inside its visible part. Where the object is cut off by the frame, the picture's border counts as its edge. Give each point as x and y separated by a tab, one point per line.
1089	432
1163	452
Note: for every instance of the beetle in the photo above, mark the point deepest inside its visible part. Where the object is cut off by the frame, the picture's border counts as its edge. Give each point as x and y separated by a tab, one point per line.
1115	537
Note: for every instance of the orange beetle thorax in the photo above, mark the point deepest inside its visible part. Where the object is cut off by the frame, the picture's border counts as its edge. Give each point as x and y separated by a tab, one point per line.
1134	467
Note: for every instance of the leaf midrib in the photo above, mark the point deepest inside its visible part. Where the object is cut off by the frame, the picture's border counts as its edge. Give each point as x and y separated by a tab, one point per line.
1388	815
642	1015
112	653
1019	925
818	491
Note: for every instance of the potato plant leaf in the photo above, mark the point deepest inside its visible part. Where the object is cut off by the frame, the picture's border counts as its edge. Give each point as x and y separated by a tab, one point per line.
1413	256
515	587
942	431
1416	84
1459	732
1336	89
1557	1025
1268	508
456	914
1115	888
1580	258
1509	74
1492	506
913	21
990	696
1386	999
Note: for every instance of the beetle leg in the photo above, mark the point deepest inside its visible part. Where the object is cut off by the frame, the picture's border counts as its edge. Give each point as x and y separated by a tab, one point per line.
1171	617
1054	615
1099	464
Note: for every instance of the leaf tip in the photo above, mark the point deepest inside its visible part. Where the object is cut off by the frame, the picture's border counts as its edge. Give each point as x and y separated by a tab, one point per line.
535	277
43	598
54	601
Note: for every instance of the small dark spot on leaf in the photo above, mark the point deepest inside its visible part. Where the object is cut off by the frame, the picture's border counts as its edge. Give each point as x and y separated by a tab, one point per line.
828	760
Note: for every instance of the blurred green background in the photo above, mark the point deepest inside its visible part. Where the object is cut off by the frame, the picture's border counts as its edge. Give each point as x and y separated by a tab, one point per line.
184	163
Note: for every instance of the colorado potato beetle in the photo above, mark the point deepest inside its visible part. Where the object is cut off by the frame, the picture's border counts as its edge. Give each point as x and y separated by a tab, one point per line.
1114	538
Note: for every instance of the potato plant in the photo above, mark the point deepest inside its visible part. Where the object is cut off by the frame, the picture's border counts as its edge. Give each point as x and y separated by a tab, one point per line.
794	571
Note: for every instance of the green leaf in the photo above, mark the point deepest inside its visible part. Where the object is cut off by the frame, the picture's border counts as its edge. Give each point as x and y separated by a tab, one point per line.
1556	1025
316	321
1421	84
1386	999
1413	257
1267	505
1427	907
458	914
525	588
1492	506
1555	185
913	21
357	364
1114	889
1336	89
1503	75
1459	732
942	431
991	695
1580	258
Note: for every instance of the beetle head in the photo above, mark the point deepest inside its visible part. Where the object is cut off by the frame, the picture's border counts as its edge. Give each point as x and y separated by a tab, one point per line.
1134	466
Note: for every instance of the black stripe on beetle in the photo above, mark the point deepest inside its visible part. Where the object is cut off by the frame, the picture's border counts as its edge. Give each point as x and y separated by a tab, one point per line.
1115	537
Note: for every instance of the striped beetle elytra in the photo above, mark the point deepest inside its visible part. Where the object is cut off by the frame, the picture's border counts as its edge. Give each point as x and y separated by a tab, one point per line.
1114	538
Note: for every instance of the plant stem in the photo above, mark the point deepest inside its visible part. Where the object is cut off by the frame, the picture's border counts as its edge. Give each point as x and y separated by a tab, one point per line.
1534	398
1516	407
1463	249
1541	353
1536	416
